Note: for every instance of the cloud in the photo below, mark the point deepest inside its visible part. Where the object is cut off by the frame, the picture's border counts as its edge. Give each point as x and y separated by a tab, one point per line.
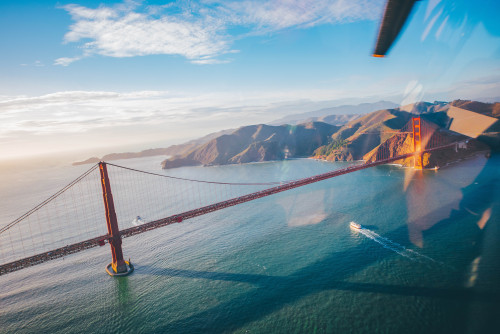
36	63
201	32
20	103
77	111
116	32
276	15
477	88
87	111
209	61
65	61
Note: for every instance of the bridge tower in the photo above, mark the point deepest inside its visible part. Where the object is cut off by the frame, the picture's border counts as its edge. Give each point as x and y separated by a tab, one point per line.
118	264
417	142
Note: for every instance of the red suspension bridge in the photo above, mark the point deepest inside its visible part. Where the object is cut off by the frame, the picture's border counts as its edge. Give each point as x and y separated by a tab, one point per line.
72	220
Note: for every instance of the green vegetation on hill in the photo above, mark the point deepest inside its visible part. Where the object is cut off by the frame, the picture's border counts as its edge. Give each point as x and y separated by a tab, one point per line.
334	145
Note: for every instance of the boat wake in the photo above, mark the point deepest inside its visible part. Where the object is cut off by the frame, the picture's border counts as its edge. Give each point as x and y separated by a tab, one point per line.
397	248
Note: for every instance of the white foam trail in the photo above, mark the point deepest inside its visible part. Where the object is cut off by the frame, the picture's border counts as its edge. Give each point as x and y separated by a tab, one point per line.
385	244
424	256
397	248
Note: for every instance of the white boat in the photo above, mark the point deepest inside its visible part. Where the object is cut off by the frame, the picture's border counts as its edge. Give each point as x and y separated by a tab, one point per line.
356	226
138	221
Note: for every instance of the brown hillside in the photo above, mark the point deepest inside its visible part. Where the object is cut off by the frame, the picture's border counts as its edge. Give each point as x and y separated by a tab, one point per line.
362	135
403	144
257	143
490	109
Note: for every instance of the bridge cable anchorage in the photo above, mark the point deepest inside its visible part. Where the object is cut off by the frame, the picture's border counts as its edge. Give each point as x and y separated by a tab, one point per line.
77	213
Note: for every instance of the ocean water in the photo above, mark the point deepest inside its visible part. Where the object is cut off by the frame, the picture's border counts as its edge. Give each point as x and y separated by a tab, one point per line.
426	261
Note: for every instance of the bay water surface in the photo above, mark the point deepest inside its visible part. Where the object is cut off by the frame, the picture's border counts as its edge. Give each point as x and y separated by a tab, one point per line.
426	260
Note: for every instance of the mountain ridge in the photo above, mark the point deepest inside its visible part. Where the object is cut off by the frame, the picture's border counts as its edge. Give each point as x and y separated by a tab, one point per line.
353	140
256	143
342	110
361	138
179	149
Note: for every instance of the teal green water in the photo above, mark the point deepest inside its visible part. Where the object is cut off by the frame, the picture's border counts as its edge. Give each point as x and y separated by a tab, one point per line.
427	261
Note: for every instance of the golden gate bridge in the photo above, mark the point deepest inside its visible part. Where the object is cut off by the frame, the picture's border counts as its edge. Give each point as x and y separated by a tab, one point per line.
72	219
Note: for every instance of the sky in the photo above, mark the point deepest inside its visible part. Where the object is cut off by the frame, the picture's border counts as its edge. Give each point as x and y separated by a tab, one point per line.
92	77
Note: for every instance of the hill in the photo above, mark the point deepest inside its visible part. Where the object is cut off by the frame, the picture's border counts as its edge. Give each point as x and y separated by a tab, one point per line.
356	140
359	137
338	120
338	116
171	150
403	144
489	109
335	114
256	143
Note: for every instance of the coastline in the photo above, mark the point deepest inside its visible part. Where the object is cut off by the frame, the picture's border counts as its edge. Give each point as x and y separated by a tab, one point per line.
469	157
447	164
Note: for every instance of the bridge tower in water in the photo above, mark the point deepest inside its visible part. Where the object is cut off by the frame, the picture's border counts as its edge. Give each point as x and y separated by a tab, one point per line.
118	265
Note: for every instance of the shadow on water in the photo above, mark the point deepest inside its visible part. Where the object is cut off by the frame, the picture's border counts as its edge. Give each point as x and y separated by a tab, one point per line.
123	290
272	293
270	282
480	204
275	292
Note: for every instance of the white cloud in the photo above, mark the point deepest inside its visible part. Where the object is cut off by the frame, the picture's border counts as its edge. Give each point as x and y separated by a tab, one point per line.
124	33
200	32
20	103
65	61
85	111
209	61
281	14
36	63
